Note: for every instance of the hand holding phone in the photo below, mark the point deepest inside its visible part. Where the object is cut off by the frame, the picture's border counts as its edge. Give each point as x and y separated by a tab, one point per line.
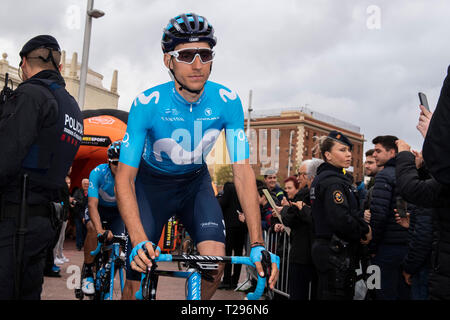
401	207
423	100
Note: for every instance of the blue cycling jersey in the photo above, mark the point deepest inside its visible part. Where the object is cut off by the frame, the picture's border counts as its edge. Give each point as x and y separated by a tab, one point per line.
174	136
101	186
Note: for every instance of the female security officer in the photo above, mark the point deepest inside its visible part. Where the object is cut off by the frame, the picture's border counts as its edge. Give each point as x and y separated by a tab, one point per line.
339	228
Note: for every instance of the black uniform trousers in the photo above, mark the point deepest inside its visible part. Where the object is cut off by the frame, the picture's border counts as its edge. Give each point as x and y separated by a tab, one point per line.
334	283
37	239
234	241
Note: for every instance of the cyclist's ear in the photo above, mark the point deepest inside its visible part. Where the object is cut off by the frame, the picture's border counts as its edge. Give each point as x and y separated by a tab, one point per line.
167	60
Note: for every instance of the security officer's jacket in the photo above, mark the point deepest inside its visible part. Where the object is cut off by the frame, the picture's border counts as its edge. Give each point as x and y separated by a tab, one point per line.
41	129
335	207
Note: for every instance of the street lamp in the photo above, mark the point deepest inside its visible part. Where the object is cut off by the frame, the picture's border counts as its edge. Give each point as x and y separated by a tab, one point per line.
90	13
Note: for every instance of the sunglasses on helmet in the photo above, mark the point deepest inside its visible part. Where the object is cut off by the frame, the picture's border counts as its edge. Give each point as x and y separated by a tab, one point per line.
188	55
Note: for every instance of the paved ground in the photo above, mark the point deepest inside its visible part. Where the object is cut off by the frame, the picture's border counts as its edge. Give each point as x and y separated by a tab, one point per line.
168	288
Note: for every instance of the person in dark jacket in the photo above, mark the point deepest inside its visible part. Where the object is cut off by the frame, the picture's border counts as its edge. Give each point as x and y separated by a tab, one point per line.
339	228
417	263
80	203
236	232
420	188
436	147
390	240
41	128
296	214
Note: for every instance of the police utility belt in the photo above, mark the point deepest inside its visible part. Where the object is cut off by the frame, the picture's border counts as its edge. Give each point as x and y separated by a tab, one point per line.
52	210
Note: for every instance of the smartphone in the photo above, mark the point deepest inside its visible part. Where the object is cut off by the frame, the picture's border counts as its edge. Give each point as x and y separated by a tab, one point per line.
423	100
402	206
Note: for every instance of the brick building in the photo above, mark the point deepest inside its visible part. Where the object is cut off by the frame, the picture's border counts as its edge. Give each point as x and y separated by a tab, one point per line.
276	137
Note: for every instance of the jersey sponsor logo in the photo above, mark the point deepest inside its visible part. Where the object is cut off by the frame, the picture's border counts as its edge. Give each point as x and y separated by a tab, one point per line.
143	99
178	154
105	196
208	112
172	119
209	225
224	94
338	197
172	111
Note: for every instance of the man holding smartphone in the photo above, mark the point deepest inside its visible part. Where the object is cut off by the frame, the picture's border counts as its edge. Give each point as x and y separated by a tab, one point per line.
389	242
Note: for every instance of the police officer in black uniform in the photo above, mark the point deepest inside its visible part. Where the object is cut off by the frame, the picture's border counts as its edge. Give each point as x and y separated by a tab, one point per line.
41	129
339	227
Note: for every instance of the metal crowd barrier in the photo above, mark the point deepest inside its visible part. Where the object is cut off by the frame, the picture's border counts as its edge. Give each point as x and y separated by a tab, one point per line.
278	243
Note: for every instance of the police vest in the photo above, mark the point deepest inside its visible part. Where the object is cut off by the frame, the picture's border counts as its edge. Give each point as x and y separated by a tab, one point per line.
328	177
51	155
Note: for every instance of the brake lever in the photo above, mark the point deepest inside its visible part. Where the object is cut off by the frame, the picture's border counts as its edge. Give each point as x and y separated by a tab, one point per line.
266	263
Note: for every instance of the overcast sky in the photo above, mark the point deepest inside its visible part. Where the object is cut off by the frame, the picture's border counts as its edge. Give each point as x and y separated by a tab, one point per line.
356	60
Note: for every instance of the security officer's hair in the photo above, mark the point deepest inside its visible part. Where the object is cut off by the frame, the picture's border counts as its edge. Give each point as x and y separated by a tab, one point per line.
43	52
388	142
324	144
311	167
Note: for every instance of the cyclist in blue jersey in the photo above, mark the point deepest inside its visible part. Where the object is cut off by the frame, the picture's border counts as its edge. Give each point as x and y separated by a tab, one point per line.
102	207
162	170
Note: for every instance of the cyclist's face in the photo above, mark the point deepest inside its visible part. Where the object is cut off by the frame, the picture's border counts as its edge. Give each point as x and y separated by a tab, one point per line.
192	75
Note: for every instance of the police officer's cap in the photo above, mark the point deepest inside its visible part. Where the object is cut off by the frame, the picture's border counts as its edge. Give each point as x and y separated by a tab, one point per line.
339	137
42	41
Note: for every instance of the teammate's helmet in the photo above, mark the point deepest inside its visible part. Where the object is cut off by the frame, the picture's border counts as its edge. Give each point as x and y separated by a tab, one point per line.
114	150
188	27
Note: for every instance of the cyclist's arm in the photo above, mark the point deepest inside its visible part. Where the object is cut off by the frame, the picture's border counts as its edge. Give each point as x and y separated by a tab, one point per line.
94	214
245	182
127	203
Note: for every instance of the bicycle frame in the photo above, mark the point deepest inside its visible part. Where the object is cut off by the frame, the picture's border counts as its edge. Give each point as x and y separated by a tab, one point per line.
108	268
193	275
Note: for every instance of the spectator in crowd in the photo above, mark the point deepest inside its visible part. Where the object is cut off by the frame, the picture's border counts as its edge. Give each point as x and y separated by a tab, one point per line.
370	169
422	189
236	232
50	268
389	244
59	256
270	179
265	209
296	214
417	263
80	202
436	147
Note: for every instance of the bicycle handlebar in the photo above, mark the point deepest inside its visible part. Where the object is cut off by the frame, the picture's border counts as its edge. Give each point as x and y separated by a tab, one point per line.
211	259
101	239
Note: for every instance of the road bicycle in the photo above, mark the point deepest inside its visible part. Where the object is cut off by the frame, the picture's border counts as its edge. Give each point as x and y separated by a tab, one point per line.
109	258
198	267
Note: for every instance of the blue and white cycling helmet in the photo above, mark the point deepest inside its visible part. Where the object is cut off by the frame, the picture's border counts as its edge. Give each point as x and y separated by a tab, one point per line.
114	150
188	27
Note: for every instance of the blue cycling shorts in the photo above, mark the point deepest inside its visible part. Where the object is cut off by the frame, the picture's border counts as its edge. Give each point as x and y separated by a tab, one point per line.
190	197
110	218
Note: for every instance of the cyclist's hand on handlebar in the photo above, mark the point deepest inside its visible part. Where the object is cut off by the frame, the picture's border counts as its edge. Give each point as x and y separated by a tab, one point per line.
140	260
105	233
256	256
